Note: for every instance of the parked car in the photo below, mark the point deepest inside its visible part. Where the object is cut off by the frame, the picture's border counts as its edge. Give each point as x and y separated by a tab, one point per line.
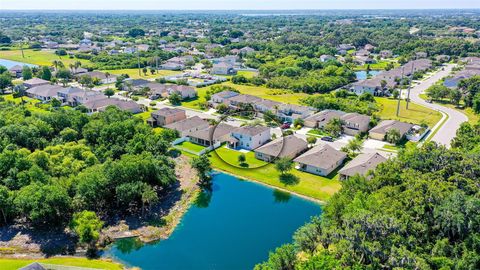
285	125
327	139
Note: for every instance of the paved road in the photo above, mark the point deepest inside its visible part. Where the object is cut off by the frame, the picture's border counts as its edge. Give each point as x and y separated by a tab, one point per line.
448	130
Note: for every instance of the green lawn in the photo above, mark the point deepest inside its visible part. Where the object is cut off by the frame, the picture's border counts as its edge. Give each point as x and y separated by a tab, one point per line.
318	133
30	103
306	184
231	156
133	73
14	264
190	146
380	65
41	58
415	114
473	118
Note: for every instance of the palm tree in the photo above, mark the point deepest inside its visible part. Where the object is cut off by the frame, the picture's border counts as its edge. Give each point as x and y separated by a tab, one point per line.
107	74
55	63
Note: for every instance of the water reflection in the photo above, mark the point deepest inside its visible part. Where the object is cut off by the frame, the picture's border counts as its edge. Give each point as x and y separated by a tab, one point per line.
281	196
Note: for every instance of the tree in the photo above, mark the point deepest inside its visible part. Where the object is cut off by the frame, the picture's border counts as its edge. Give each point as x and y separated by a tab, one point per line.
65	75
87	226
144	70
149	197
396	94
109	92
353	146
393	136
5	203
455	96
334	127
136	32
5	81
476	103
241	158
283	165
283	258
203	167
298	122
175	99
85	81
55	103
311	140
45	73
27	73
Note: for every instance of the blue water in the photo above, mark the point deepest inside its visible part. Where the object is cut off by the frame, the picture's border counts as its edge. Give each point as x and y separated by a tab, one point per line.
9	63
233	229
362	75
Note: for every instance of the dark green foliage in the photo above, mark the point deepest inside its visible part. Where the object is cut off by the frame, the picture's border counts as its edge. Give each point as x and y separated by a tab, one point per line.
420	210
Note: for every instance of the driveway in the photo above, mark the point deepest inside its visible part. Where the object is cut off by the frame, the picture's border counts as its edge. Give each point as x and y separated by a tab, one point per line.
455	118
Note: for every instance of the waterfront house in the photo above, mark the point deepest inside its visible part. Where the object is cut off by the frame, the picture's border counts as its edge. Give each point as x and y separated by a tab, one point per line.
249	137
284	147
16	71
361	165
214	135
35	82
320	160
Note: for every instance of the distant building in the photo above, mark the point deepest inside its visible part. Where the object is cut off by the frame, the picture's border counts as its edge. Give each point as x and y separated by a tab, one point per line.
35	82
223	69
16	71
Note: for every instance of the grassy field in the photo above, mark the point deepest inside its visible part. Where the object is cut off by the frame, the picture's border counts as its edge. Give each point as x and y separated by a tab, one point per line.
133	73
305	184
473	118
41	58
415	114
14	264
190	146
279	95
380	65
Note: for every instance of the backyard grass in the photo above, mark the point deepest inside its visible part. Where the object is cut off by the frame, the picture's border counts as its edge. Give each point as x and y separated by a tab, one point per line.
318	133
230	156
380	65
14	264
416	114
30	103
302	183
190	146
133	73
39	57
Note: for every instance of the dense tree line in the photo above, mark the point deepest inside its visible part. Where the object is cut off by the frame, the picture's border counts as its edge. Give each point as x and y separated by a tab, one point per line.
420	210
62	162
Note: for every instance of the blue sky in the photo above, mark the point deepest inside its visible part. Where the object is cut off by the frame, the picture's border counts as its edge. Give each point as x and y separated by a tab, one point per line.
234	4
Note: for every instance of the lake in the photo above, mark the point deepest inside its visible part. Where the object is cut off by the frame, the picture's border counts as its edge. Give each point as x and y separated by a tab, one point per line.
234	228
9	63
362	75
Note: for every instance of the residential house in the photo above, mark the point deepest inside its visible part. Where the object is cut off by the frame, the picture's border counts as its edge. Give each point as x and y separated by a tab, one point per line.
355	123
223	68
166	116
33	82
453	81
420	55
361	165
241	99
44	92
380	131
214	135
172	66
73	96
143	47
222	97
320	160
386	54
16	71
98	105
187	126
247	50
186	92
249	137
103	77
290	112
321	119
284	147
369	47
326	58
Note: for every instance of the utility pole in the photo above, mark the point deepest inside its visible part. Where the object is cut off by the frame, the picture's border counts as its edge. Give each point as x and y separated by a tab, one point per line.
410	85
400	95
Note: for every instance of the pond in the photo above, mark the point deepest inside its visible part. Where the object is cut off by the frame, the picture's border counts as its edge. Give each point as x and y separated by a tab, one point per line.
362	74
9	63
233	228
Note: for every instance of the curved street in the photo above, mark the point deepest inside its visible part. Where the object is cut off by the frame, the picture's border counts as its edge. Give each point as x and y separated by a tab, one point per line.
448	130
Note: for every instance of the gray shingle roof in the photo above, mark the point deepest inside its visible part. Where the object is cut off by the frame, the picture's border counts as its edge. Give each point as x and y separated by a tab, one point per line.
384	126
282	147
323	157
362	164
